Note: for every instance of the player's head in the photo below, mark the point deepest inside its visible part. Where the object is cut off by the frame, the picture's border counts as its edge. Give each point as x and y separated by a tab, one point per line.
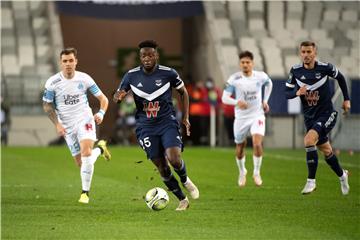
246	61
148	54
308	52
68	61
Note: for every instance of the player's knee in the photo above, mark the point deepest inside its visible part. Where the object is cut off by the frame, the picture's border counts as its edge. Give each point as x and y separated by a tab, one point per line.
86	152
309	141
174	158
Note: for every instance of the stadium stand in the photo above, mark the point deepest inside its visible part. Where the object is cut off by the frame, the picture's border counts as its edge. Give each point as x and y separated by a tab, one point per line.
27	50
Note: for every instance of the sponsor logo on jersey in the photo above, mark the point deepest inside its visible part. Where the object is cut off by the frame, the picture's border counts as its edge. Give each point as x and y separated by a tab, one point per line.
303	77
71	99
139	85
151	109
312	98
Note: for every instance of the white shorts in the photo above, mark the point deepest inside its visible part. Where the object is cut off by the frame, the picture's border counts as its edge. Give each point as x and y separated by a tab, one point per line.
85	129
242	126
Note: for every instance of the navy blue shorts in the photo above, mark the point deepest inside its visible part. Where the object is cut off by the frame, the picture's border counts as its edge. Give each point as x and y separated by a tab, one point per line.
323	125
155	139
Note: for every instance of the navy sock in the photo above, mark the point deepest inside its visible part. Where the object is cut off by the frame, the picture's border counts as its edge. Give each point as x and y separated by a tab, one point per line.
311	161
174	187
334	164
182	172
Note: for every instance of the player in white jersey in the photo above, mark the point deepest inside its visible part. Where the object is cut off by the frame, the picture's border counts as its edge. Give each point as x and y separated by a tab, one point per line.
65	101
250	106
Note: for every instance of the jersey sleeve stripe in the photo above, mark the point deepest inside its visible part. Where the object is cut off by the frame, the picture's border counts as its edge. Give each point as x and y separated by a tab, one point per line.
48	96
180	85
94	89
290	85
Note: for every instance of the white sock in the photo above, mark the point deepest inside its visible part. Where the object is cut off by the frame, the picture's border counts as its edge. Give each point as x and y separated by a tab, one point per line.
86	172
257	164
241	164
95	154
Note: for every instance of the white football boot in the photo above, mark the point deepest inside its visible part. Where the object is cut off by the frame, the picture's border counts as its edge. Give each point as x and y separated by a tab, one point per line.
242	178
183	205
344	182
192	189
257	179
310	186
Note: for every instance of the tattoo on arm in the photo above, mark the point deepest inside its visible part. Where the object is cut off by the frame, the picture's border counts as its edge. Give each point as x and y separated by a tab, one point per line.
49	109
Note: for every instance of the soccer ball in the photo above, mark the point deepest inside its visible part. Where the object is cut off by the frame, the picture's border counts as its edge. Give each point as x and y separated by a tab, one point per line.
157	199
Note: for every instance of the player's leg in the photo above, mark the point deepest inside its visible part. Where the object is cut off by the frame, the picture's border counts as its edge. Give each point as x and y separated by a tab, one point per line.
310	140
240	162
257	140
333	162
173	155
257	131
241	128
170	181
87	136
173	145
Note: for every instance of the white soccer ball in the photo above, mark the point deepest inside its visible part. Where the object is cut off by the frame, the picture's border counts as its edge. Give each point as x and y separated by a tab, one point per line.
157	199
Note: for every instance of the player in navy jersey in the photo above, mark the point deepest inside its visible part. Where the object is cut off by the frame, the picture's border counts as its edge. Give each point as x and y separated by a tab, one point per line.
157	129
310	81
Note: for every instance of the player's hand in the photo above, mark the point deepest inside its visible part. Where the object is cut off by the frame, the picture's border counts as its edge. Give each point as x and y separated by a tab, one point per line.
301	91
187	124
60	129
242	104
119	96
346	106
266	107
98	117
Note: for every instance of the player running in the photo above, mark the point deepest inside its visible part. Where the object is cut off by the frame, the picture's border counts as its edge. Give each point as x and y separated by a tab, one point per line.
250	106
310	81
157	130
66	104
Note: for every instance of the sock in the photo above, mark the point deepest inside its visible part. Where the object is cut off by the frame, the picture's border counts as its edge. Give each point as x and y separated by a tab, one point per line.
86	172
334	164
257	164
182	172
95	153
311	161
241	164
174	187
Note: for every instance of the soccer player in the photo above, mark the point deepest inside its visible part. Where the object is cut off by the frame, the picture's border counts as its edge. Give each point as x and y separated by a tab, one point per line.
66	104
250	107
157	129
310	82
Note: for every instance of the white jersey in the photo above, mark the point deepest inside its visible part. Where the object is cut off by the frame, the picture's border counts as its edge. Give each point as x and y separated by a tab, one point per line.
248	89
69	97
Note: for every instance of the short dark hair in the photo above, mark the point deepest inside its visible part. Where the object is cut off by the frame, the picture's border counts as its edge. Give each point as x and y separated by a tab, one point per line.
69	50
308	44
148	44
245	54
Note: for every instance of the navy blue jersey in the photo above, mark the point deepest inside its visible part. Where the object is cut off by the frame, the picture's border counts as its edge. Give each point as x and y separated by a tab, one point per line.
152	93
317	100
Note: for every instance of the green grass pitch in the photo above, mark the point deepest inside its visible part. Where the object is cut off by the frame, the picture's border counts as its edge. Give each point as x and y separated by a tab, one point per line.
40	188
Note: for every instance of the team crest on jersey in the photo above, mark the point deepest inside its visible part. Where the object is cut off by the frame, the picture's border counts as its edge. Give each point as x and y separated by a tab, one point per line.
317	75
312	97
158	82
80	86
151	109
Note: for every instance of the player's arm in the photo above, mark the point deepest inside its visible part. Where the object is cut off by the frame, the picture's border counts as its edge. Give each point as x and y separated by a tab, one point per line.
184	96
122	90
344	89
292	90
104	102
227	99
267	92
50	111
